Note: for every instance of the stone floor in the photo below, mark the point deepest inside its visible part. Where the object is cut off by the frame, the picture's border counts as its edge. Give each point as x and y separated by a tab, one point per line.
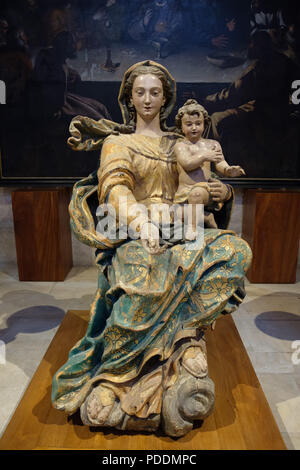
268	322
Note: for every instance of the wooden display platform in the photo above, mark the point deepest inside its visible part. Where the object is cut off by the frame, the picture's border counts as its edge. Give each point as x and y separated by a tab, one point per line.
242	418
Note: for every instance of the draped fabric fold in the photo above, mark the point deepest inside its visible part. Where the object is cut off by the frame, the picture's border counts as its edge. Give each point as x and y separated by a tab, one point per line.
148	313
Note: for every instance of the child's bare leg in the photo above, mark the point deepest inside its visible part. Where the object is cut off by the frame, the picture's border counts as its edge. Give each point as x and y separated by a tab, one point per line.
197	195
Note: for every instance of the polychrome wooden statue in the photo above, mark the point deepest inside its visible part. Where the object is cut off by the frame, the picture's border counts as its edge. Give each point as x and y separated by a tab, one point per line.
142	362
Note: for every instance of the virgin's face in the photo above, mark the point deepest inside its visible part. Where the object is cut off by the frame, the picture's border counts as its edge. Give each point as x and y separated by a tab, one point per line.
147	96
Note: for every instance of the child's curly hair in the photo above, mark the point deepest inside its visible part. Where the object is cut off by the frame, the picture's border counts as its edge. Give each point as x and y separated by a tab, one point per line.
191	107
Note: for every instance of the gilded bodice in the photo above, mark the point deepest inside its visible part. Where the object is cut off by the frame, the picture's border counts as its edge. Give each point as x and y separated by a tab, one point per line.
146	165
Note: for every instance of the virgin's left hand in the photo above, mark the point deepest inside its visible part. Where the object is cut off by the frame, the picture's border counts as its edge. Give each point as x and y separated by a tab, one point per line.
218	190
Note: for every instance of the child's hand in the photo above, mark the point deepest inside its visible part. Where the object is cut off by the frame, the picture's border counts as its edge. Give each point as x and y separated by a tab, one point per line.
214	156
235	171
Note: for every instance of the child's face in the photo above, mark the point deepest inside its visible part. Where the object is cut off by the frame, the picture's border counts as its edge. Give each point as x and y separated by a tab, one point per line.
192	126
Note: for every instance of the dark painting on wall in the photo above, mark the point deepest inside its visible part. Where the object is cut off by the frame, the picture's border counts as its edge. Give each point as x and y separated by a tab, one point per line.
59	59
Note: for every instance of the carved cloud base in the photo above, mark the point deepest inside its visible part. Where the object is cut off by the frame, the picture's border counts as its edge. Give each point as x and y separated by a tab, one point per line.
190	398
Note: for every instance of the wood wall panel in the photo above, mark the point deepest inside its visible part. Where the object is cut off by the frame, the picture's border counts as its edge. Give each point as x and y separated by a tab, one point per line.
271	226
42	233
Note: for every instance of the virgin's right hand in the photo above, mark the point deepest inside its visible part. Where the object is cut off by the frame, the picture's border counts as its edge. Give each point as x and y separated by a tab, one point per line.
150	239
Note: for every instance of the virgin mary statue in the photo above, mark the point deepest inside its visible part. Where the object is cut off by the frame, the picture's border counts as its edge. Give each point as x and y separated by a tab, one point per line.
142	362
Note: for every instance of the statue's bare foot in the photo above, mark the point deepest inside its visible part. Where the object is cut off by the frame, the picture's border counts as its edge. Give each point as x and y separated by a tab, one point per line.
194	361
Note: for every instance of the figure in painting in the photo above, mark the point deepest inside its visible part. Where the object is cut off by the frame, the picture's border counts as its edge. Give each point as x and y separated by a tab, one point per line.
160	24
209	24
57	77
265	16
142	362
194	157
15	63
255	109
3	32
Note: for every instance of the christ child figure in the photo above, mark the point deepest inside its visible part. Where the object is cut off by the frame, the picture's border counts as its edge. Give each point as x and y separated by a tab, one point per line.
194	156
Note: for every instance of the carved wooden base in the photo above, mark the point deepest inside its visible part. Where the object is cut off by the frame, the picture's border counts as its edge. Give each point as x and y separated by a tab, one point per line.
242	418
190	398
